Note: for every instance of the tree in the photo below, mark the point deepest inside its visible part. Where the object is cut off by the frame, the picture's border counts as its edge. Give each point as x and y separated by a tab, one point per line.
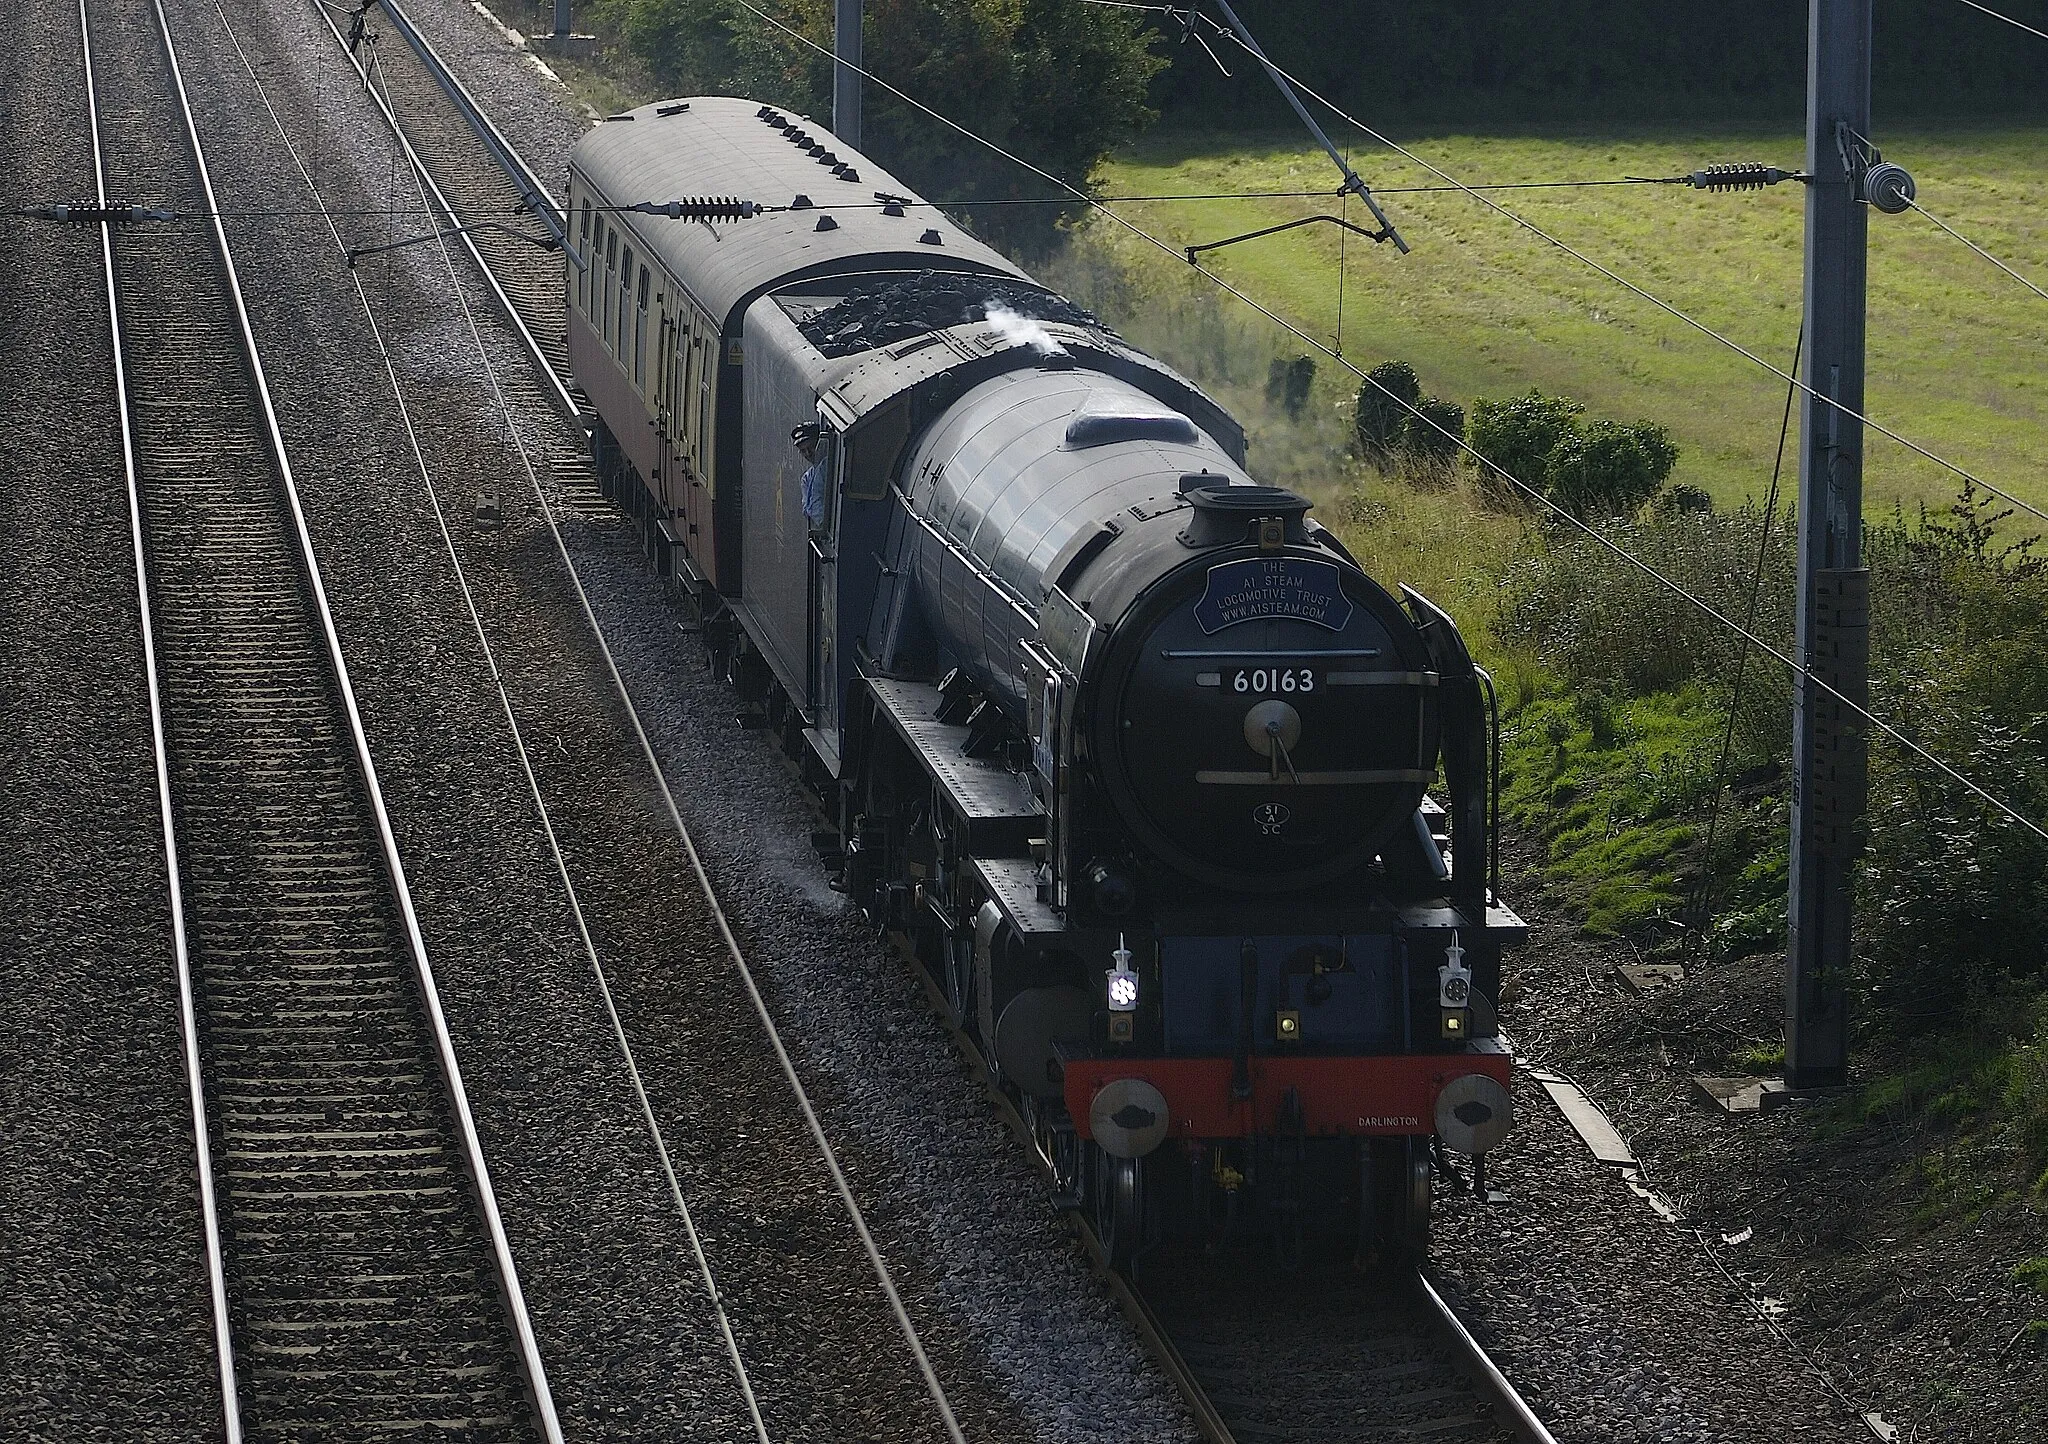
1059	83
1288	383
1386	398
1609	469
1519	435
1430	440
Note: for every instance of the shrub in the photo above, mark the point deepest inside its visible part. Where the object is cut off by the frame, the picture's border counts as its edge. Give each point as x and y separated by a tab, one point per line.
1955	894
1288	383
1381	417
1429	447
1060	83
1677	500
1609	469
1519	435
1601	468
1601	621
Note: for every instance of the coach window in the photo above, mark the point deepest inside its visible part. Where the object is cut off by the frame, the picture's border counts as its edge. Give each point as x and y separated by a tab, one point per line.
583	270
640	333
624	349
684	411
611	260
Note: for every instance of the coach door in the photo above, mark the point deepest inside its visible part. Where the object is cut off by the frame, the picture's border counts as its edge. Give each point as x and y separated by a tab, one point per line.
824	586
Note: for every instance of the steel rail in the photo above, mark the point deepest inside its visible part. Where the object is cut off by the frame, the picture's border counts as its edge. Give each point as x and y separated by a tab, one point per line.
558	385
1151	1331
1519	1415
713	1293
471	1146
829	1155
1516	1411
538	197
181	955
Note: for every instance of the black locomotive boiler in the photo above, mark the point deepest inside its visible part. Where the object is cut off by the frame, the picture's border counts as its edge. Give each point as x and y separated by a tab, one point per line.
1123	743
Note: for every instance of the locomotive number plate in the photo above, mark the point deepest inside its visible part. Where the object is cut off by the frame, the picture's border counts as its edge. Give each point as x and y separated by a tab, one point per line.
1259	588
1268	681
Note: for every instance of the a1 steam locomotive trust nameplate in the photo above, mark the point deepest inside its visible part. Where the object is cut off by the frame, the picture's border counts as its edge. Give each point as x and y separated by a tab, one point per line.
1260	588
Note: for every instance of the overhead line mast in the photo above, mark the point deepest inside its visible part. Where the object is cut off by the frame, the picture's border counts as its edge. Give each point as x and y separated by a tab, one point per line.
1830	754
846	24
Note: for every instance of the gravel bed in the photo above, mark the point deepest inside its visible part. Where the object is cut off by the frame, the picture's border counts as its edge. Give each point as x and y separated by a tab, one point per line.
105	1318
1914	1318
1918	1325
535	113
1028	1344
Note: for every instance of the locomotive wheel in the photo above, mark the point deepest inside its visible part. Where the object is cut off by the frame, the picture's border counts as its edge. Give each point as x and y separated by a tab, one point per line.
1410	1227
1117	1200
1396	1187
957	951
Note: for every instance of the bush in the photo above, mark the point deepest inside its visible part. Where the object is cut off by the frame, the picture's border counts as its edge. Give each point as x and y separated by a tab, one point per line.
1601	621
1429	448
1385	397
1609	469
1519	435
1675	500
1288	383
1603	468
1954	894
1059	82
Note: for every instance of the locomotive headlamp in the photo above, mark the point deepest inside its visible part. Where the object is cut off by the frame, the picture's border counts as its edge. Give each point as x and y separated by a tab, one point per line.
1123	982
1123	995
1454	979
1454	991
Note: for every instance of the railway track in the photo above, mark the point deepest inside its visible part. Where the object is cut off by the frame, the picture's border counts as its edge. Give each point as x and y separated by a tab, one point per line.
362	1282
1261	1355
1354	1359
499	211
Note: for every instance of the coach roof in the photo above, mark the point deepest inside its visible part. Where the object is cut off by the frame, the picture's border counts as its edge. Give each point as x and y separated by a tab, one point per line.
721	146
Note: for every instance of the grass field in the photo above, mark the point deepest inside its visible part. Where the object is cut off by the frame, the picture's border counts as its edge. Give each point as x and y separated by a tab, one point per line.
1957	359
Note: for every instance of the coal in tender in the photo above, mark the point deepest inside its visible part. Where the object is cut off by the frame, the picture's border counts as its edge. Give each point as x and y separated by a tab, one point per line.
887	311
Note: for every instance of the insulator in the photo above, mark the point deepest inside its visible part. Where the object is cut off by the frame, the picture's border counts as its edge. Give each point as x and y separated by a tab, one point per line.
1889	187
1740	177
702	208
100	215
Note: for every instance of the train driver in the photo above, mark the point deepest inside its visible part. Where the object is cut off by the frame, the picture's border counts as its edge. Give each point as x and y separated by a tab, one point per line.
818	475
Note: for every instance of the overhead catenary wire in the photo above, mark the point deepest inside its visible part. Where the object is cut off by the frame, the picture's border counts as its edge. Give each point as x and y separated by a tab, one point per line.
1607	543
63	213
1944	225
1981	9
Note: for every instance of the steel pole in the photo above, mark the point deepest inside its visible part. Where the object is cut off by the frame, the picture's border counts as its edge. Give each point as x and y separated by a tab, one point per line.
561	19
846	18
1829	766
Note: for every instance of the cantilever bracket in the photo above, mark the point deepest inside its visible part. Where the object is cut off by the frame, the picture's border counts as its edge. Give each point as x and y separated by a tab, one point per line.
1384	234
546	243
1354	184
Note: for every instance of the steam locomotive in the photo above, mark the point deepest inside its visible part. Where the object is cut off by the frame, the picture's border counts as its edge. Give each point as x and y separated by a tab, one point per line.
1122	743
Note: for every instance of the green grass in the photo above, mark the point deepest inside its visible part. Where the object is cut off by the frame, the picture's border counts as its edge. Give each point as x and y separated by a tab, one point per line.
1485	308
